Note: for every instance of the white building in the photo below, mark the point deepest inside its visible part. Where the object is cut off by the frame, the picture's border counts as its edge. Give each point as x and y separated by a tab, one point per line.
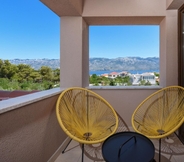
148	77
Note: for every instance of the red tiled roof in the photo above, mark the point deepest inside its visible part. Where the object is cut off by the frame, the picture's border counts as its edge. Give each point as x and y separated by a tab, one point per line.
114	73
11	94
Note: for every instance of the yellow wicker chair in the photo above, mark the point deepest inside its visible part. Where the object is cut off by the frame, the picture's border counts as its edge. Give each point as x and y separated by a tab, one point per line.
85	116
160	114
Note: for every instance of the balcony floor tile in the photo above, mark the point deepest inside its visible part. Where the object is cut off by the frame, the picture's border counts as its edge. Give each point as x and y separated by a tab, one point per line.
172	151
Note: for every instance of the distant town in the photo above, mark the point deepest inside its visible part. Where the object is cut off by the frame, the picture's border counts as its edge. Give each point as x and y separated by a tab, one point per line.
125	78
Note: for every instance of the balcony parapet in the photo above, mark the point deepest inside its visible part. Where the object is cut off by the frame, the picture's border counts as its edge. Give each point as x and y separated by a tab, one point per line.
29	127
14	103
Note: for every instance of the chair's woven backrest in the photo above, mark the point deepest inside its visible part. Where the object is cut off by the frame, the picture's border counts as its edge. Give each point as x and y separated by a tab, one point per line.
161	113
85	116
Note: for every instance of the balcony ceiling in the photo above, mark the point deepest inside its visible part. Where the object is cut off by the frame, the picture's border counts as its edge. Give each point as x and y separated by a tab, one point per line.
75	7
65	7
175	4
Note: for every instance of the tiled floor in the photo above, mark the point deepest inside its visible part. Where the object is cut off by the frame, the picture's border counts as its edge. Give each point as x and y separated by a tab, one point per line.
172	151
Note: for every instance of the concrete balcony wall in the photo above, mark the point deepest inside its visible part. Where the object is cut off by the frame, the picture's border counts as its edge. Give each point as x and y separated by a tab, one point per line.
125	101
30	132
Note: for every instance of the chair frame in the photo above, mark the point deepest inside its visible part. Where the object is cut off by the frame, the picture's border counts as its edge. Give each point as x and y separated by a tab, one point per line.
82	141
162	134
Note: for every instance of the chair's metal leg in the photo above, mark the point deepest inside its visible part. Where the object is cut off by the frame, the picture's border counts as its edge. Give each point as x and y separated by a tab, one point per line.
82	152
159	149
66	146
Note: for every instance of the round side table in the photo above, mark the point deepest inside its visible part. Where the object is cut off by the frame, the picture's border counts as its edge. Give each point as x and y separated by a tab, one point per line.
128	147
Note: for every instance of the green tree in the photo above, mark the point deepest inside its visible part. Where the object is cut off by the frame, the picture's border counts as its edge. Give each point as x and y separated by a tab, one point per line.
22	76
104	80
13	85
112	83
47	84
156	74
94	79
142	82
4	83
24	72
35	75
56	77
147	83
1	63
46	73
126	80
119	80
7	70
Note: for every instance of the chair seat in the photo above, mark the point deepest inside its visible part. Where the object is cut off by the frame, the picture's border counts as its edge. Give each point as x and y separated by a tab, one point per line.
161	113
85	116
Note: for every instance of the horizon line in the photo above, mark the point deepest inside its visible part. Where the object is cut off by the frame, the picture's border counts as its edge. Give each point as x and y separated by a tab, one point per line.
89	58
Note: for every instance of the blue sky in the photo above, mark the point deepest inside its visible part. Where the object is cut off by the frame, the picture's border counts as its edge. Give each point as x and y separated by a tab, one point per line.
124	41
29	30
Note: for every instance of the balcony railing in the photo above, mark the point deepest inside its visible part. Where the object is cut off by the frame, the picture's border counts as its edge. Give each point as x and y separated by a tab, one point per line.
29	128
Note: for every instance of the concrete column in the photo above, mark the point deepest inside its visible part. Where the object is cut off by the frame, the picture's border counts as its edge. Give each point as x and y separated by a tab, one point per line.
169	49
172	47
163	60
74	55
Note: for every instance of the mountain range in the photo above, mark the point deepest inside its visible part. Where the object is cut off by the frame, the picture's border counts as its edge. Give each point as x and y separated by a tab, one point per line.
99	64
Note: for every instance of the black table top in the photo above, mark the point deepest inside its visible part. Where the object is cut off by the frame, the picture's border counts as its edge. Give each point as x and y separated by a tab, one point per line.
129	146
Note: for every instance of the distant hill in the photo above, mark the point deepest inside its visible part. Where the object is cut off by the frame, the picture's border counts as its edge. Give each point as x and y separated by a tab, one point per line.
124	63
99	64
38	63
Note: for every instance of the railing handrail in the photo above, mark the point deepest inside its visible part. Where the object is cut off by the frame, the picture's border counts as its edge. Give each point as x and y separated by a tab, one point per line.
14	103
